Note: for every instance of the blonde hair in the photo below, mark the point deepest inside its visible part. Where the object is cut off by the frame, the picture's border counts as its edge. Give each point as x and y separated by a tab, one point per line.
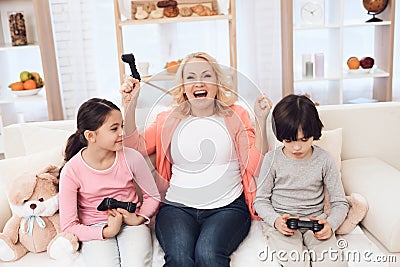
225	95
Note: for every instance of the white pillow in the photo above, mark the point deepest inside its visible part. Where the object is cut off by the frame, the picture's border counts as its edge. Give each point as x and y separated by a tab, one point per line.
15	167
38	139
331	141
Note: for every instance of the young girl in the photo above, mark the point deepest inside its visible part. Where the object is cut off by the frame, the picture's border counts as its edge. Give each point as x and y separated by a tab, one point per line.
98	166
291	184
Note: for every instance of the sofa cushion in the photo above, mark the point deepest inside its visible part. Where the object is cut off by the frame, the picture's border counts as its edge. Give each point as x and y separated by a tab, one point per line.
363	125
52	137
331	141
28	138
379	183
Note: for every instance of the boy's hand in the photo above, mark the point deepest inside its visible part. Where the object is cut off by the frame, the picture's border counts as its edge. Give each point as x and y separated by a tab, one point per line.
326	232
130	92
131	218
114	223
280	225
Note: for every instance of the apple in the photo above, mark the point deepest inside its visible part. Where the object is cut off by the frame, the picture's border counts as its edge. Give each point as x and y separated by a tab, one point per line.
25	75
367	62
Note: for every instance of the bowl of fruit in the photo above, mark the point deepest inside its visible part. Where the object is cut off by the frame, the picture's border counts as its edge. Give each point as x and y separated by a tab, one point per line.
30	83
357	66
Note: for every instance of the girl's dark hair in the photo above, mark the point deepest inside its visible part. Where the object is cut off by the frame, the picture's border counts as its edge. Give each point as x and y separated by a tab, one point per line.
292	112
91	115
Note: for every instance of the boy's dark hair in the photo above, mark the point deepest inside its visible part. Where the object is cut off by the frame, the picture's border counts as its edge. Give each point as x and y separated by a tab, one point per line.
292	112
91	115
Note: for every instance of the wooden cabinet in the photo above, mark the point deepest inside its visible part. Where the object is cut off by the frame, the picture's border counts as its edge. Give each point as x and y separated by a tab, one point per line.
229	16
344	33
39	56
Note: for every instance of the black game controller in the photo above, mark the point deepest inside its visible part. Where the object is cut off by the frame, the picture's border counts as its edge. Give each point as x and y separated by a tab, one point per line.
110	203
130	59
294	223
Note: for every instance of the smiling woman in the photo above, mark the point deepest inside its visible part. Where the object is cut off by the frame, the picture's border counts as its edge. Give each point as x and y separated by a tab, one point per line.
207	155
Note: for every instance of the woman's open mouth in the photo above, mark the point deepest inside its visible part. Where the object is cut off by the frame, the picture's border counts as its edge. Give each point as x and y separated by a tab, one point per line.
200	93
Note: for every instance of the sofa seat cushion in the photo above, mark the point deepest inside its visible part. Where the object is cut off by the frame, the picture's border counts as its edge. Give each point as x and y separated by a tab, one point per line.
248	253
360	251
379	183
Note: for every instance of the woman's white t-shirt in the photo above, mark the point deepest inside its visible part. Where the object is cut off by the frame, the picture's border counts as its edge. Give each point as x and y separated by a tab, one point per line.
205	168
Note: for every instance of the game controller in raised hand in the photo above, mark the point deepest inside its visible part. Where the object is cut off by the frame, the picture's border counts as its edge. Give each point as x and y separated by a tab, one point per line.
111	203
294	224
130	59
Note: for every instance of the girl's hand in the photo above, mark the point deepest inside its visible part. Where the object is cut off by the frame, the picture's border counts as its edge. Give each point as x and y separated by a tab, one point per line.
130	92
280	225
114	223
326	232
262	107
131	218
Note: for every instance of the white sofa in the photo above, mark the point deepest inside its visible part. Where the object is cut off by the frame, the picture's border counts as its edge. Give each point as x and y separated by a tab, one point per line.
370	154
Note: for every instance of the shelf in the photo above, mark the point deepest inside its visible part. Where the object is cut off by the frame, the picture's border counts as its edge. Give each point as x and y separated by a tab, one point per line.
9	47
316	27
8	97
303	80
376	73
162	76
174	20
358	23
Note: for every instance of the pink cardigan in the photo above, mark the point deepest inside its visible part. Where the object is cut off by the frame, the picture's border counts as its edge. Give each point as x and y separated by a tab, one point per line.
157	139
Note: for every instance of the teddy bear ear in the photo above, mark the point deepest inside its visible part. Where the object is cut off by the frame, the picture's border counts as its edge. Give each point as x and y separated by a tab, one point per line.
21	188
51	169
51	173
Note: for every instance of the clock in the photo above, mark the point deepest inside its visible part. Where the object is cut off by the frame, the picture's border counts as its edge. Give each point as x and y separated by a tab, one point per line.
312	13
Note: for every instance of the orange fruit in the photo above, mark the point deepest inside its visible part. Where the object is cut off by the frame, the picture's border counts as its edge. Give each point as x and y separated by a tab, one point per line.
17	86
172	66
353	63
29	84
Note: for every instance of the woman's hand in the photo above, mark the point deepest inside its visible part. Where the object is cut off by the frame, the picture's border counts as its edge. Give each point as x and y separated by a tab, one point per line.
130	92
262	107
114	223
131	218
280	225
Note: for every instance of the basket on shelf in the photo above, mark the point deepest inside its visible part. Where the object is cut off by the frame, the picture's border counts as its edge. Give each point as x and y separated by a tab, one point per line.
150	9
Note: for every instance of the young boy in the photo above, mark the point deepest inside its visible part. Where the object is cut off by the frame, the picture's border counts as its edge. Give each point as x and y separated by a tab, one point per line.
291	184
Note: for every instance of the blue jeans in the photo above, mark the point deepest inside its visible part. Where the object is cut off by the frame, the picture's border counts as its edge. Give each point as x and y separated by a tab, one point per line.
193	237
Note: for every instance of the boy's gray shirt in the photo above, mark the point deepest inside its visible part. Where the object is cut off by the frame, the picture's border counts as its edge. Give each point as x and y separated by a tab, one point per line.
297	187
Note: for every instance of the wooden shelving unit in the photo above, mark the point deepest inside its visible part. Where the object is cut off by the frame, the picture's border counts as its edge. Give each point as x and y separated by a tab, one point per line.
40	40
230	18
343	34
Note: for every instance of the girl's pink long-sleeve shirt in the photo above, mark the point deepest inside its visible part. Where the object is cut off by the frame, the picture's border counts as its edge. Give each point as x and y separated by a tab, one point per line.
82	188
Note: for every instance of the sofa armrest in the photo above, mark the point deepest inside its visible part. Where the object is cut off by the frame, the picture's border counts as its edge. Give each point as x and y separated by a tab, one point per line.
379	183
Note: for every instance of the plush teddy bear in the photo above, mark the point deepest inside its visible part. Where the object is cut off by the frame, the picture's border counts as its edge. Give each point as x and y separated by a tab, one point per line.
35	223
358	207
